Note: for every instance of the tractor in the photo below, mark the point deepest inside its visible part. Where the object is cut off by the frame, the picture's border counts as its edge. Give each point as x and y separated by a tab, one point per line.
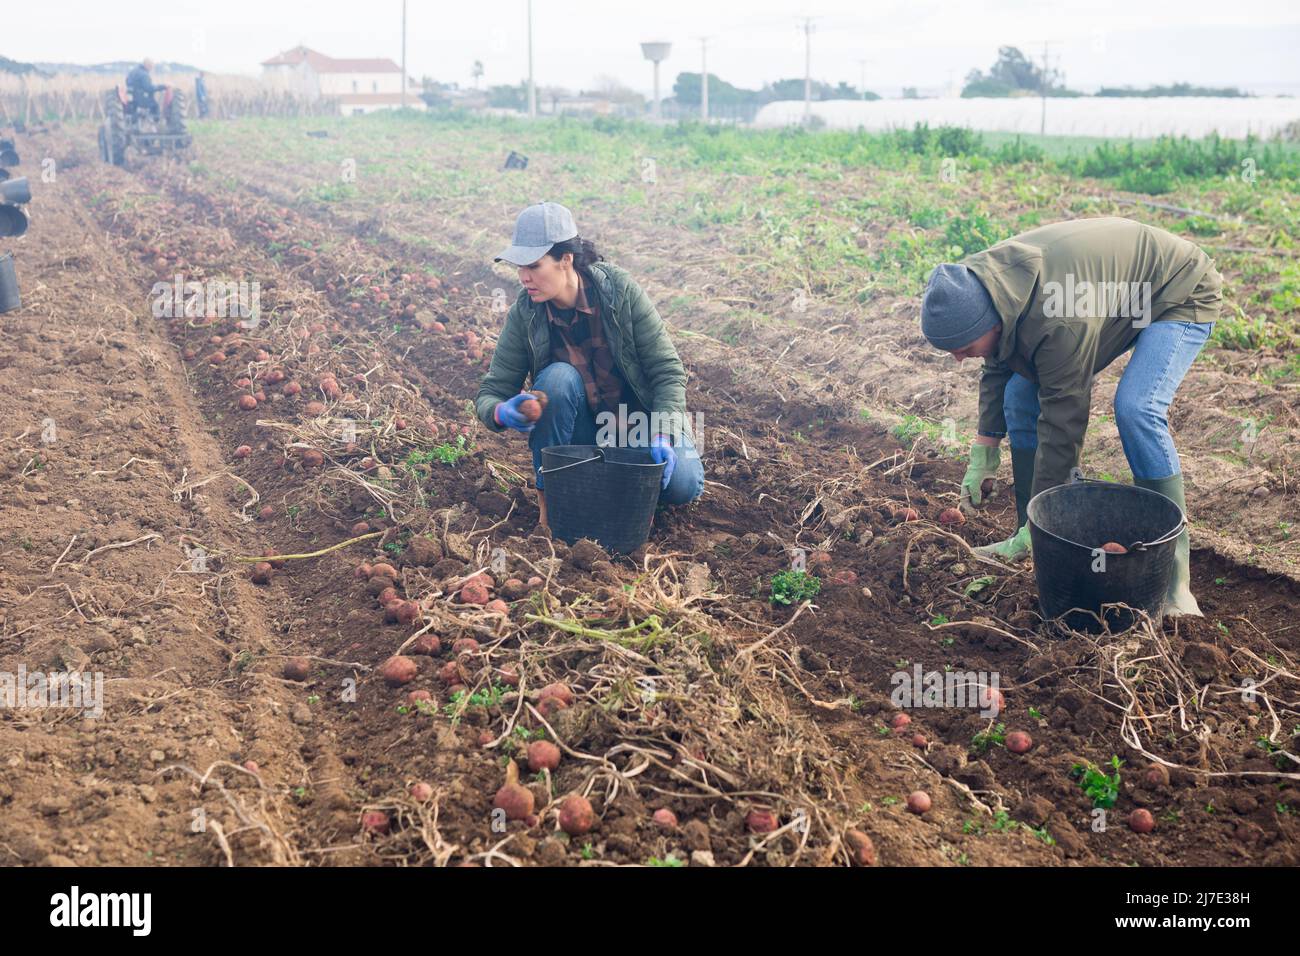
129	125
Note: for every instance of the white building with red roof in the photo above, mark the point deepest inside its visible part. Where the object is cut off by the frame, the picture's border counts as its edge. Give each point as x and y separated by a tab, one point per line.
360	86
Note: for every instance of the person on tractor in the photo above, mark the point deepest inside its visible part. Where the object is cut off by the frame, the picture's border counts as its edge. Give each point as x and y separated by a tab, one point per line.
141	88
586	334
1047	310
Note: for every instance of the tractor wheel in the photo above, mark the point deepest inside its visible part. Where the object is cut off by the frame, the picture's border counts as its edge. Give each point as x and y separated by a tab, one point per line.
176	111
114	130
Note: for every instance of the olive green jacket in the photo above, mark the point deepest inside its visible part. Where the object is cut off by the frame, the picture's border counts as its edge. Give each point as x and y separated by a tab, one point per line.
644	353
1073	297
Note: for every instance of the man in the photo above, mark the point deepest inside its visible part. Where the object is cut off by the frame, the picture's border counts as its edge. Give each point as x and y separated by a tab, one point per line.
1047	311
589	337
201	94
141	88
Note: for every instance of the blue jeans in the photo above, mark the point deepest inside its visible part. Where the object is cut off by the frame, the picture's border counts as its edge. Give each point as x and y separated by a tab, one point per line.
1162	354
568	421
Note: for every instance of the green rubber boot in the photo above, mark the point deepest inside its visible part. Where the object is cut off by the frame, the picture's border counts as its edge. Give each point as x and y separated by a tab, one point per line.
1179	599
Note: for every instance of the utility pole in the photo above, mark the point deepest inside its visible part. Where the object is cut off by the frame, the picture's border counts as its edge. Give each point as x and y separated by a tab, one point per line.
532	87
704	79
807	69
403	54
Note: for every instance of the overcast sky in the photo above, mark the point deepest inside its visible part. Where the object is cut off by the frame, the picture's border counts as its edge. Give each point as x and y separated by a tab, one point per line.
922	43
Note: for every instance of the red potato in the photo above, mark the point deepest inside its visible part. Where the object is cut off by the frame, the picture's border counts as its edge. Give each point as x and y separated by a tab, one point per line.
576	815
252	767
416	696
899	721
1157	775
861	850
514	799
189	355
275	376
243	451
665	818
267	512
375	821
530	408
508	676
260	395
907	514
543	755
261	573
291	388
403	612
550	706
271	554
918	801
398	670
247	403
1141	821
216	358
761	820
243	383
363	572
987	486
377	587
559	691
464	645
454	689
919	741
474	593
449	673
1114	547
297	669
1019	742
421	792
311	458
951	517
314	408
382	569
497	607
427	645
485	738
845	576
361	527
387	596
534	582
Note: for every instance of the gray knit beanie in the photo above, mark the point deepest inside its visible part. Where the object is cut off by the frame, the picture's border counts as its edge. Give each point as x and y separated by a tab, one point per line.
957	309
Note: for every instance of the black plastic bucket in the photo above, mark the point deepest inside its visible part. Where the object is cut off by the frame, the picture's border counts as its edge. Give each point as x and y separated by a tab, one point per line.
9	296
605	494
16	191
1068	525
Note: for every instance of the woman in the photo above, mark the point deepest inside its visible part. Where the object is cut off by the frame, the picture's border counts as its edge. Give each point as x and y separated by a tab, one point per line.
1047	311
585	334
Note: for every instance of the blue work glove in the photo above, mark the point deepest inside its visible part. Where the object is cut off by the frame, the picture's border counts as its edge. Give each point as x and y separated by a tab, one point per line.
661	450
509	415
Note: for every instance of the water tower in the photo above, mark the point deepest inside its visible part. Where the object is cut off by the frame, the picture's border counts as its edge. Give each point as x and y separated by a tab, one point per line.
656	52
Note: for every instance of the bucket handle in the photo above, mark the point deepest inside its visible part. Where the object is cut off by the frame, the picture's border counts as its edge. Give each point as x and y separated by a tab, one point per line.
1077	477
600	456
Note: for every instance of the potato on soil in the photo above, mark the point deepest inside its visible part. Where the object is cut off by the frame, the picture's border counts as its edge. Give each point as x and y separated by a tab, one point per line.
1141	821
951	517
576	815
383	569
516	800
861	850
474	593
906	514
665	818
363	572
402	612
247	403
427	645
497	607
261	573
267	513
311	458
421	792
919	741
449	673
559	691
464	645
297	668
1157	775
398	670
243	451
899	721
543	755
415	696
761	820
375	821
918	801
1019	742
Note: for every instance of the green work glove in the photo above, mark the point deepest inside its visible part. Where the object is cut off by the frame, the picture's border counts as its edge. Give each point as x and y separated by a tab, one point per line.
1015	548
984	461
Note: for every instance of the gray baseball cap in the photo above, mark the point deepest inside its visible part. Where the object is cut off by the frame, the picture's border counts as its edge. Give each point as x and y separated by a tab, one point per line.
537	229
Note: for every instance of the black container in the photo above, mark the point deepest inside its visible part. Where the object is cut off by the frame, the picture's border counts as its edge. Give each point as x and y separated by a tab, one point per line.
605	494
9	297
1068	525
13	221
16	190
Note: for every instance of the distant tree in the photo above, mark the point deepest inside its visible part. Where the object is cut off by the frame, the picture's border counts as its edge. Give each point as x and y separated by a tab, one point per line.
508	97
611	89
1178	89
1014	74
687	90
910	93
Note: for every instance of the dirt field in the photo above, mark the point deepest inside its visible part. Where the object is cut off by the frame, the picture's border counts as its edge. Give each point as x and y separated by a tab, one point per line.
133	525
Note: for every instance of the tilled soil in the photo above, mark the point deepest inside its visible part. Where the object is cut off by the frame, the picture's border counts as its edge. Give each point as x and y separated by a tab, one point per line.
128	525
